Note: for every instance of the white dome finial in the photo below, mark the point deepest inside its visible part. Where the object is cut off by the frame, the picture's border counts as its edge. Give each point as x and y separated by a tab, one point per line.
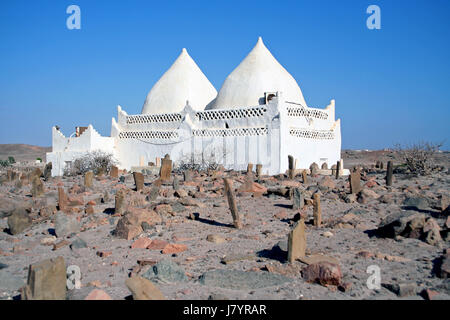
258	73
190	83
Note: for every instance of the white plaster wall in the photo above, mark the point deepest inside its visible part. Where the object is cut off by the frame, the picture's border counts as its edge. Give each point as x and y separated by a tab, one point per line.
68	149
234	152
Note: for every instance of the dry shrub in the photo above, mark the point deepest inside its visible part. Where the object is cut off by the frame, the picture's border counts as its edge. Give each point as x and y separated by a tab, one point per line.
419	157
208	162
91	161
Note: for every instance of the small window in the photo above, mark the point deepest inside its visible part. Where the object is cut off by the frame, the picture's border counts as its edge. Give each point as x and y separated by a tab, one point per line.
269	96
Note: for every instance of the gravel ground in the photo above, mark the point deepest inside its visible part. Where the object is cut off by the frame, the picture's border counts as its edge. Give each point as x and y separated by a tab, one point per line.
347	234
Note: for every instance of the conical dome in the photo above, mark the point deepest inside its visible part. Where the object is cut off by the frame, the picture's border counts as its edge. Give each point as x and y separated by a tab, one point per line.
184	81
259	72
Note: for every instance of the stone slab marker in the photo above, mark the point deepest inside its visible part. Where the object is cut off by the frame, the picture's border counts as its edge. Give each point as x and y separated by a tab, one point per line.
88	177
154	192
62	199
304	176
258	170
298	200
338	169
36	172
166	168
232	202
249	168
291	167
313	168
114	173
187	175
355	181
297	241
138	180
37	187
46	280
317	211
9	175
48	171
101	172
390	170
176	183
333	170
119	202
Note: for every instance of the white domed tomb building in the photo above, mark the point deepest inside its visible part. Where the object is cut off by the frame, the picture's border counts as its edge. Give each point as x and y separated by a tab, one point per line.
259	116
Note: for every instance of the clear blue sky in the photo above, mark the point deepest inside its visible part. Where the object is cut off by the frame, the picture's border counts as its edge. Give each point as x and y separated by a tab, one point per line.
390	85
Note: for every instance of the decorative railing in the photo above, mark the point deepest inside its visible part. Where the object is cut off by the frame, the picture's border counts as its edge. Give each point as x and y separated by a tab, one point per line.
227	114
312	134
236	132
148	135
154	118
298	110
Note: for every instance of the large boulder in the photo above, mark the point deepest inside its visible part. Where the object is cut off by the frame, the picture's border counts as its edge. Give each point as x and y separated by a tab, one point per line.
406	224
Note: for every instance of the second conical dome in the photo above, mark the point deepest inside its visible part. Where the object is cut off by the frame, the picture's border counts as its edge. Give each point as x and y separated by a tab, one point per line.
183	81
258	73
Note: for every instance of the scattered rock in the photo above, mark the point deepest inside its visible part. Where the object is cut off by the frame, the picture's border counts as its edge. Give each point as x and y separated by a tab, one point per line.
401	289
78	243
174	248
130	225
215	238
141	243
166	271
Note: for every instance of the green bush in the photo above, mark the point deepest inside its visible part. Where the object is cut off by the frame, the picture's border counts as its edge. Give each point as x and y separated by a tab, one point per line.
4	163
11	160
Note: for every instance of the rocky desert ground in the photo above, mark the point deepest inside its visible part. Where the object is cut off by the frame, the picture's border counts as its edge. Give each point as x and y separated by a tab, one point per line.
117	235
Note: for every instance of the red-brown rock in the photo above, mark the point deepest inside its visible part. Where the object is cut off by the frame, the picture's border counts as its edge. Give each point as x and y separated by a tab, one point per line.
324	273
174	248
98	294
141	243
